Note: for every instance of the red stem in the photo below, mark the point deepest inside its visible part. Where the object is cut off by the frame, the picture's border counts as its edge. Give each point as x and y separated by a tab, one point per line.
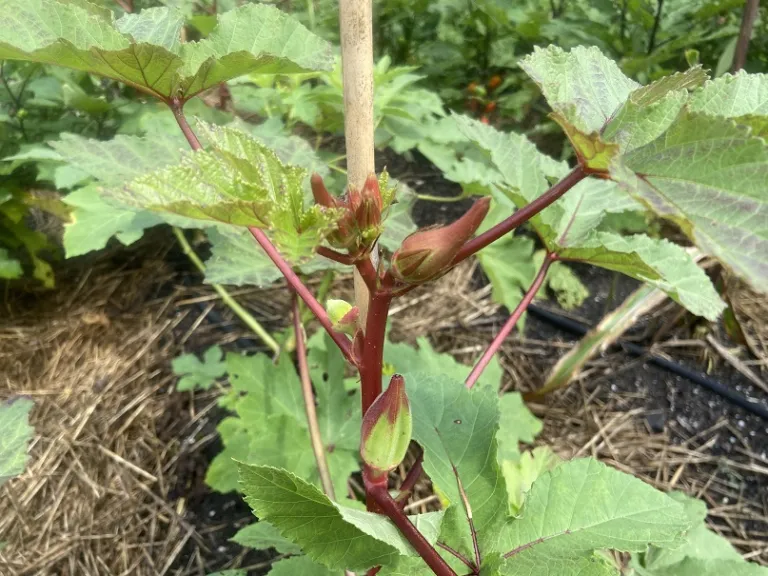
392	509
331	254
315	307
177	107
373	348
411	478
521	216
368	273
510	323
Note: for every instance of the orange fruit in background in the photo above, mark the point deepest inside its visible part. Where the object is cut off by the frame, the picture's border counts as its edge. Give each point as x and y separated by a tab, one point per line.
494	82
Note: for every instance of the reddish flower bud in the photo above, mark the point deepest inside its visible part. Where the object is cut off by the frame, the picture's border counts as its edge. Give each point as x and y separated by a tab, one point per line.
386	431
426	253
320	192
359	225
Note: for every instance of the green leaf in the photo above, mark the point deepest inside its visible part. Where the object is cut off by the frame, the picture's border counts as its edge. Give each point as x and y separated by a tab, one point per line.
262	535
271	425
121	159
302	565
510	267
9	267
588	565
236	258
583	505
15	435
650	110
733	96
703	550
582	85
403	358
569	290
520	474
516	424
93	222
238	181
398	221
457	427
196	374
707	175
143	50
333	535
568	227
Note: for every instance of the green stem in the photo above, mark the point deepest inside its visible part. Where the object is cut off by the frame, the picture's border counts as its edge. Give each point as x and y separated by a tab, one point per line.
226	297
431	198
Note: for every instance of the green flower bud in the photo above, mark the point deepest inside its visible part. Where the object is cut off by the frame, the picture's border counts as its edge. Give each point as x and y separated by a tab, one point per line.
343	316
386	431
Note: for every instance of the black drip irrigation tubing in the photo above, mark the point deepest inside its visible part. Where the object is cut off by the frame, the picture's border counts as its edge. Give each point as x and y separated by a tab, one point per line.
694	376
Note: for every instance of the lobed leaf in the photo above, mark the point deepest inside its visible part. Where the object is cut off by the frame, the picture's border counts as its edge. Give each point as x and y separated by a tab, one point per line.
582	506
330	534
708	175
458	427
262	535
568	227
144	50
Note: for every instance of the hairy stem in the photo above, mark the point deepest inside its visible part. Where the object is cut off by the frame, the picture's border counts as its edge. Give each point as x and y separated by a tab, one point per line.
295	282
392	510
521	216
373	348
331	254
745	34
457	555
177	107
309	403
226	297
485	359
411	478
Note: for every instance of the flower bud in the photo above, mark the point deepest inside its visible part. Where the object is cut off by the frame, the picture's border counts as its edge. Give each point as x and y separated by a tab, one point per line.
343	316
320	192
426	253
386	431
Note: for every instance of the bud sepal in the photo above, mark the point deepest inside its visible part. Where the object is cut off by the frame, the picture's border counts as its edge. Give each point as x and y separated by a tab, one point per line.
343	316
387	428
426	254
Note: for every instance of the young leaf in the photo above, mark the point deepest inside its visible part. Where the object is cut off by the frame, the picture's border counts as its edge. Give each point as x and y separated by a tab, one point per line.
582	506
262	535
333	535
457	427
582	85
15	435
196	374
238	181
516	424
520	474
143	50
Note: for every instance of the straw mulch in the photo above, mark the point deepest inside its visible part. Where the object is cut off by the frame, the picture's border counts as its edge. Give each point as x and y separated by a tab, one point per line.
94	358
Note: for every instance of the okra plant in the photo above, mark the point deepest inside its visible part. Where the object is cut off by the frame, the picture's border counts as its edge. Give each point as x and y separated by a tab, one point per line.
689	149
